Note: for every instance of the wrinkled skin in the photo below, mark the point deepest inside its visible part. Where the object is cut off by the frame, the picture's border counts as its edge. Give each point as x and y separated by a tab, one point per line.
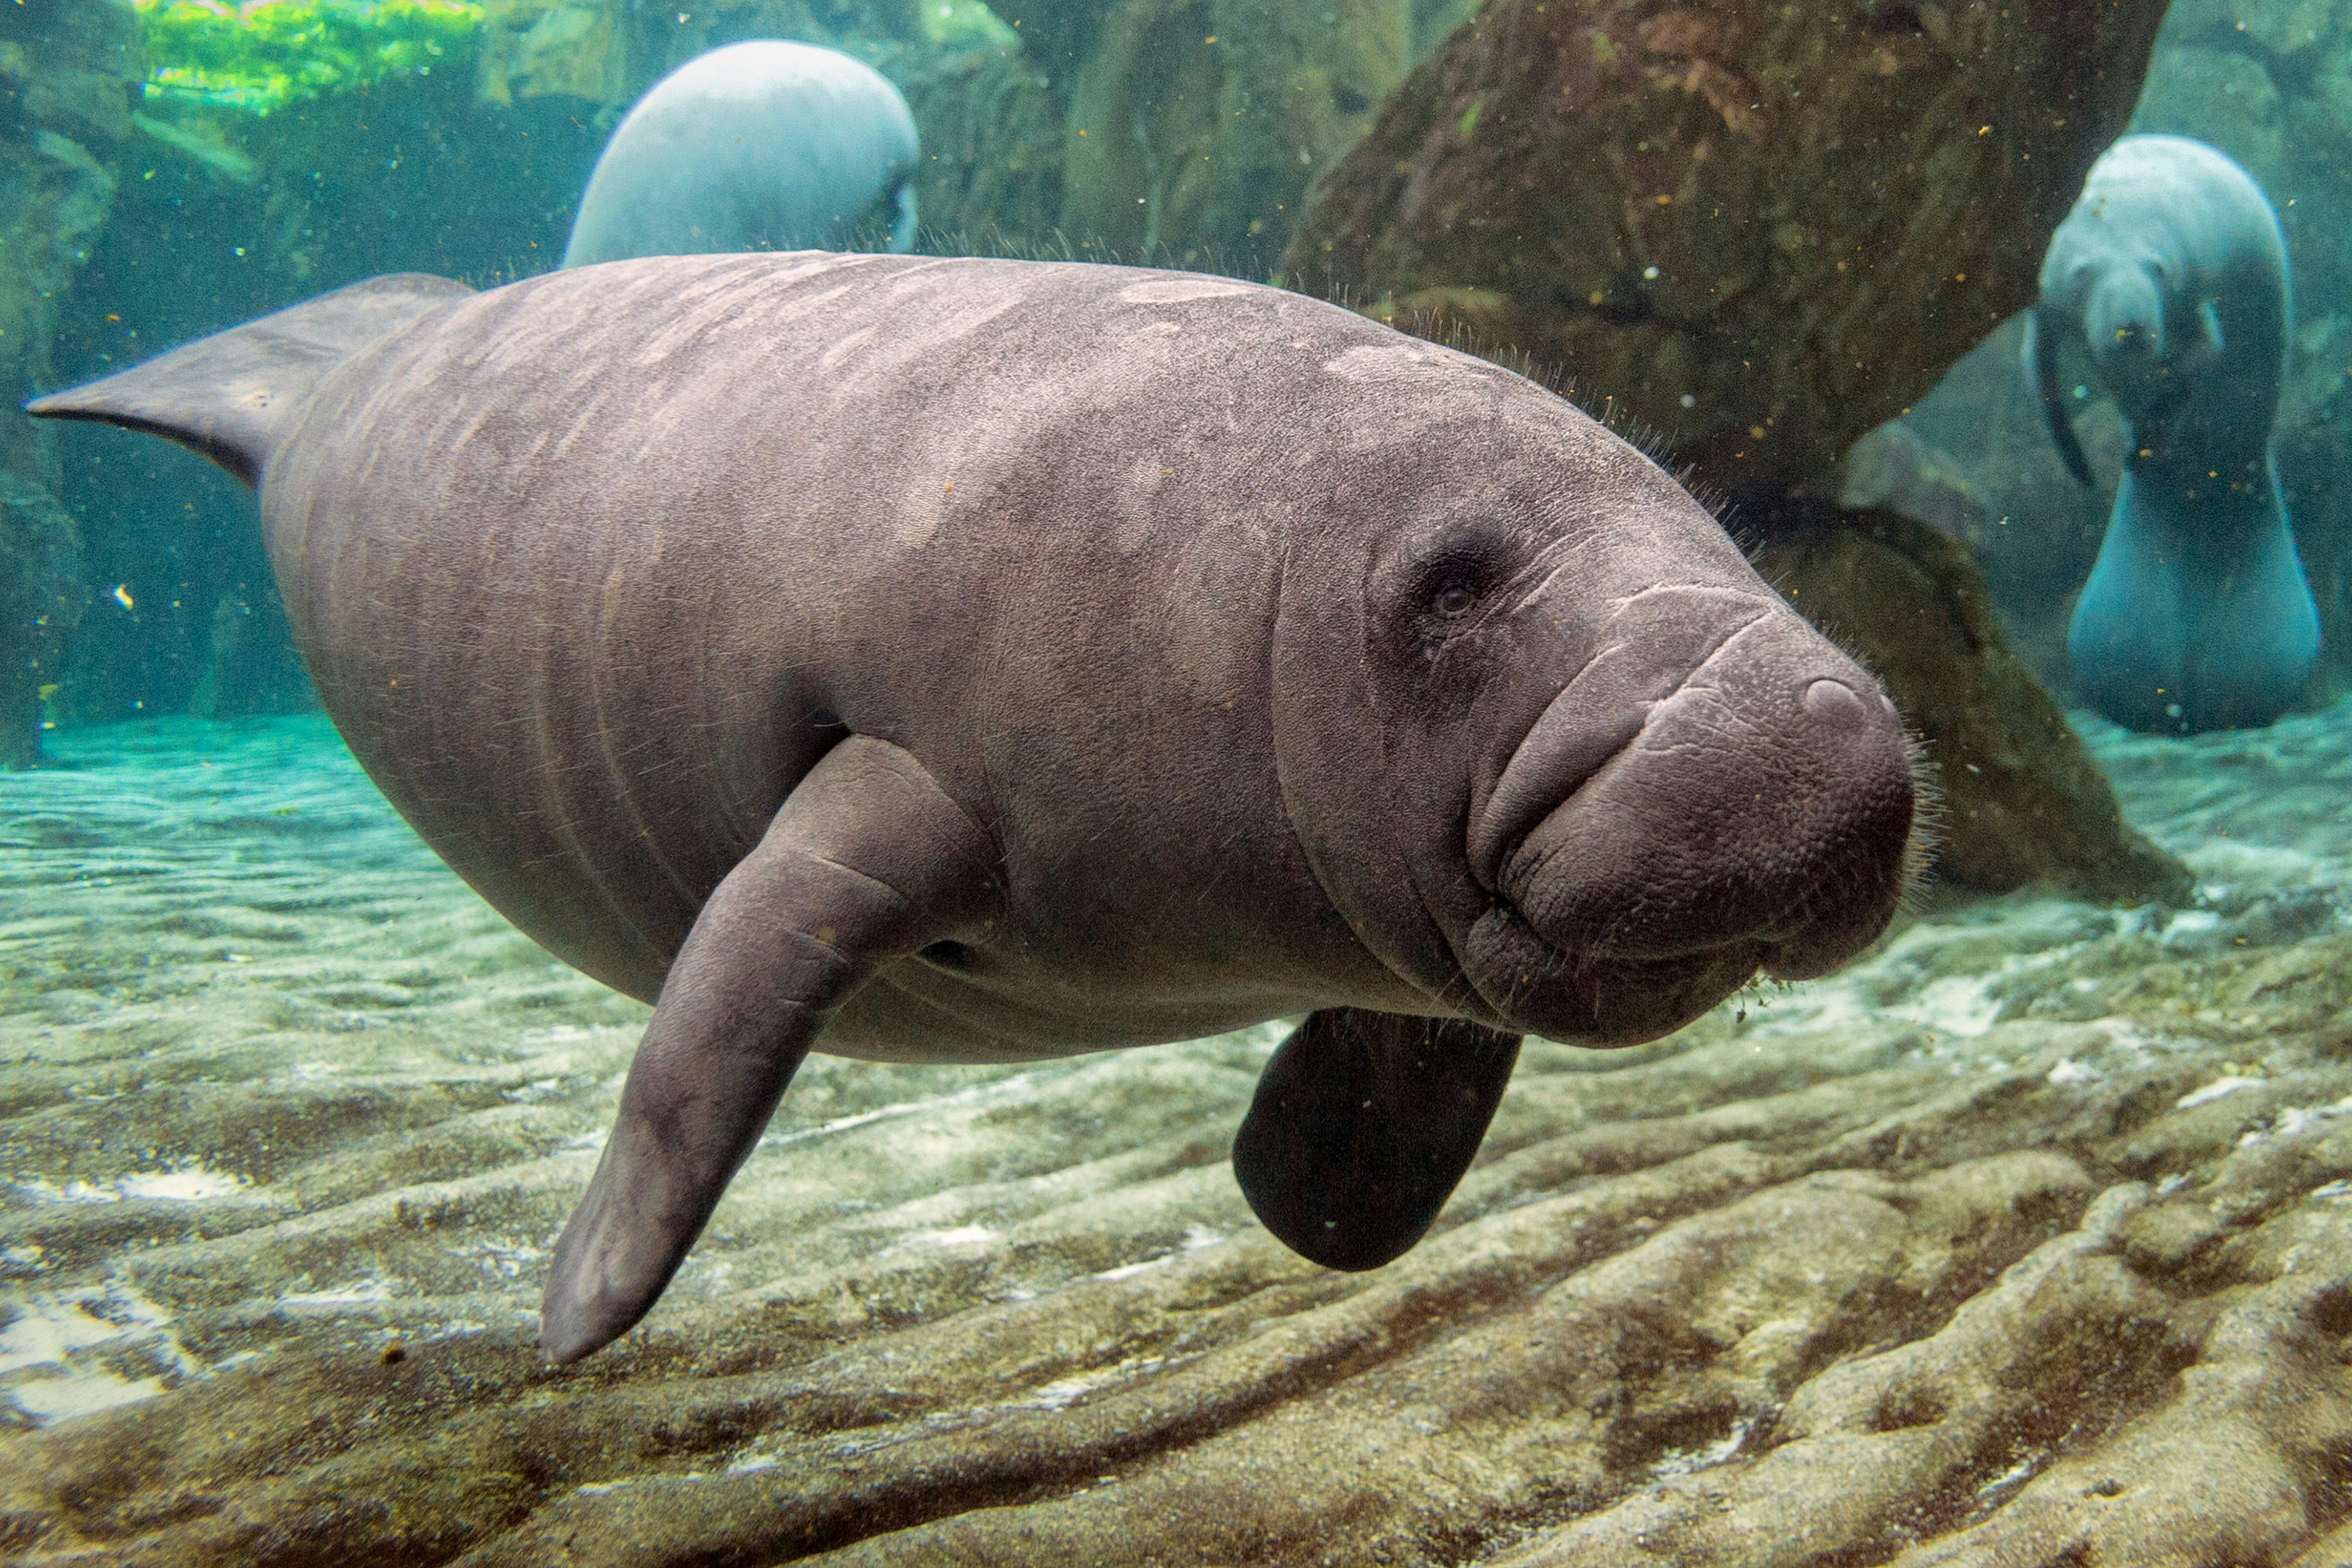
979	661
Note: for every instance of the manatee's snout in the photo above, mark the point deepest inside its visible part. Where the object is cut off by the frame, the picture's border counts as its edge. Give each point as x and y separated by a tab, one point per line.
2124	322
1758	815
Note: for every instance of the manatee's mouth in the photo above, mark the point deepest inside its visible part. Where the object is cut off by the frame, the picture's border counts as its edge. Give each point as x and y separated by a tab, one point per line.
1530	986
1758	815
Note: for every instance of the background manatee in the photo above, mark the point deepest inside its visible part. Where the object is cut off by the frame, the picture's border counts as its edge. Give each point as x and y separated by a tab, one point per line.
988	660
765	145
2171	272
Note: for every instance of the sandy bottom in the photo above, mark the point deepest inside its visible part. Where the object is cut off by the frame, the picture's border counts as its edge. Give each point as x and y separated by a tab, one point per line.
2026	1240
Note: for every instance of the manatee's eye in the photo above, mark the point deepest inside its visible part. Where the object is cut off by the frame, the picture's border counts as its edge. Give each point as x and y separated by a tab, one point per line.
1447	586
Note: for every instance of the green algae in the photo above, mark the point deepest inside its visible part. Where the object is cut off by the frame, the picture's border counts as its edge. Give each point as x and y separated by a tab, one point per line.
267	54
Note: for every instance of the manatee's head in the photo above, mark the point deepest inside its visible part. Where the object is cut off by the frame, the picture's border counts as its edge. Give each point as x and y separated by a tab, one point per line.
2122	319
1563	761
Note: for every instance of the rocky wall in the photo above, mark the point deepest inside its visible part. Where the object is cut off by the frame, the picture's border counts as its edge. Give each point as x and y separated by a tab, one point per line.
1195	125
66	71
224	215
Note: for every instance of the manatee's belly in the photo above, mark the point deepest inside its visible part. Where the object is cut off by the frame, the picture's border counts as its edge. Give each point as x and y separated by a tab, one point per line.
919	1011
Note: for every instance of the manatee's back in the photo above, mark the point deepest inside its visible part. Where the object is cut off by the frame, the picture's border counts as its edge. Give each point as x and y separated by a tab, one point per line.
590	569
763	145
425	594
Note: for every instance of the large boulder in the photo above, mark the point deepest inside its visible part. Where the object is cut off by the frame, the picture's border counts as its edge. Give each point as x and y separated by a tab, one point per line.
1757	231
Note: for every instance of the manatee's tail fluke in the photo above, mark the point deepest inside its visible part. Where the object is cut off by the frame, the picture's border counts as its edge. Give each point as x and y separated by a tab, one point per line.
2041	353
229	396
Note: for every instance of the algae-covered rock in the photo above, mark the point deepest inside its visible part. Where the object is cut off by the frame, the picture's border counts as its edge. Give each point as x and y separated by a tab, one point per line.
40	605
1195	124
991	176
573	48
1758	231
2024	802
64	75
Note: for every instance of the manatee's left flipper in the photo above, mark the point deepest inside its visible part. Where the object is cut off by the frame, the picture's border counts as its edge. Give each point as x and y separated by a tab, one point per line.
1363	1125
2042	359
868	861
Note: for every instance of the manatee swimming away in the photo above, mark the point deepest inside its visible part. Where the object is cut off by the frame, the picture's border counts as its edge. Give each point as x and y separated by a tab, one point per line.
974	661
2171	272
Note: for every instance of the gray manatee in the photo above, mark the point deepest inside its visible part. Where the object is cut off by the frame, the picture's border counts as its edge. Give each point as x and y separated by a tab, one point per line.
765	145
2171	270
977	660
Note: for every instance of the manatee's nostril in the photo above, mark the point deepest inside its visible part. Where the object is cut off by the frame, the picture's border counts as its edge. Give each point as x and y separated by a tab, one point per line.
1835	702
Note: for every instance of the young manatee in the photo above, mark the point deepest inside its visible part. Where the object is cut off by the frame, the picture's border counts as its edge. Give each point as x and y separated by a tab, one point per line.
977	660
765	145
2171	270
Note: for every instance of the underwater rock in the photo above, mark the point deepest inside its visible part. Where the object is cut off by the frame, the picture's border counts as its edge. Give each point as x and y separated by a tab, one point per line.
2030	1229
1194	125
710	814
67	81
990	179
1756	231
761	145
2172	273
40	605
2024	801
541	48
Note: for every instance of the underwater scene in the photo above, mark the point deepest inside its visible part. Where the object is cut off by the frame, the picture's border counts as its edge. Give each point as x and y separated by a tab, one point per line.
1202	783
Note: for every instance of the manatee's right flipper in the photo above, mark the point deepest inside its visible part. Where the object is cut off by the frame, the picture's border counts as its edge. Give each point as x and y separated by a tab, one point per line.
1362	1126
2041	353
868	861
228	395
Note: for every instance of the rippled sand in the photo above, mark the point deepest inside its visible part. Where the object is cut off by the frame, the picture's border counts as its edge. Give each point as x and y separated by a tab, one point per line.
2027	1241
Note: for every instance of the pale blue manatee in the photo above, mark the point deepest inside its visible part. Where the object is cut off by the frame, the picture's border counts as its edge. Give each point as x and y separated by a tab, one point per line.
2172	271
765	145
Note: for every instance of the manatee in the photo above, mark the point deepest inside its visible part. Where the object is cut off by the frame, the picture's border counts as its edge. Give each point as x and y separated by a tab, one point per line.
2172	272
765	145
985	660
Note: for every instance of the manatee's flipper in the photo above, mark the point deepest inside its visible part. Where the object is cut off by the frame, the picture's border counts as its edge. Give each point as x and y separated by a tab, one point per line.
228	395
2041	353
2211	341
904	228
868	861
1363	1125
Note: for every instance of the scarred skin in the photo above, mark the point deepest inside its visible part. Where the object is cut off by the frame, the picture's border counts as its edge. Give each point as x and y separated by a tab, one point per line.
980	661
